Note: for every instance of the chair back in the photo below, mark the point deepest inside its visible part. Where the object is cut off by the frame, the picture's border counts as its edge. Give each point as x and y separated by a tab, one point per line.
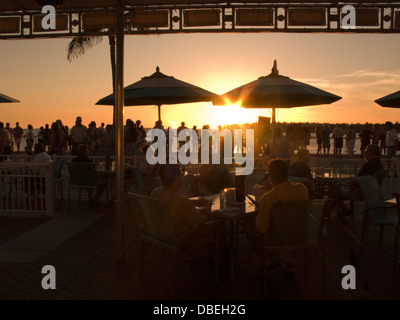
151	211
138	177
57	168
380	175
344	169
298	223
373	196
289	223
298	179
82	174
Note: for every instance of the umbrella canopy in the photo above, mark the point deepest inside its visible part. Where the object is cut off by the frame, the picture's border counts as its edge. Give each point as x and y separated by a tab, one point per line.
159	89
276	91
390	101
6	99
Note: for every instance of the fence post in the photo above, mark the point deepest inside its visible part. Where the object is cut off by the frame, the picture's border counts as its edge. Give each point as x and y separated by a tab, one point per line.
49	190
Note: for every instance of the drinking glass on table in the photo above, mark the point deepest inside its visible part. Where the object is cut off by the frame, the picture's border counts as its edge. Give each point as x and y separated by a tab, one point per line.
313	172
222	198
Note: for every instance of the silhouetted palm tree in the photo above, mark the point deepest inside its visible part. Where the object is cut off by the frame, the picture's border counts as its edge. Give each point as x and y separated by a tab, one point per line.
79	45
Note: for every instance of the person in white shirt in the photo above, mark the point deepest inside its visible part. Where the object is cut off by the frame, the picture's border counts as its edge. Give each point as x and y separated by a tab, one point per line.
37	184
350	140
40	154
338	134
391	140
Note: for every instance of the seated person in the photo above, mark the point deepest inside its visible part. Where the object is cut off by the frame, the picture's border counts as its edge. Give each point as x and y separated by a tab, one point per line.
282	190
347	188
101	178
300	167
262	187
214	177
181	216
40	154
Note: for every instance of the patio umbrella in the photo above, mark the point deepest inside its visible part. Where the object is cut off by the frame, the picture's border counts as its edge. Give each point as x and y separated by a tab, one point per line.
277	91
390	101
159	89
6	99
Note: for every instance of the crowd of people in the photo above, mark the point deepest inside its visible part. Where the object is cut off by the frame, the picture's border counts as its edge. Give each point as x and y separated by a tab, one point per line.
59	139
385	136
331	140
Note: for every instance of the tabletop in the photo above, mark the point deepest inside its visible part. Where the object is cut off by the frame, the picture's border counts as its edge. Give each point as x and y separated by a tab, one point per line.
239	210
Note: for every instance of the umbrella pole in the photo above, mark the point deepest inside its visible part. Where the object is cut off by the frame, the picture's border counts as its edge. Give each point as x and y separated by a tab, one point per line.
119	86
159	112
273	127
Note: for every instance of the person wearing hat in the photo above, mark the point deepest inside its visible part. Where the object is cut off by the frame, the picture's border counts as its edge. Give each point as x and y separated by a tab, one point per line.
391	140
78	135
345	189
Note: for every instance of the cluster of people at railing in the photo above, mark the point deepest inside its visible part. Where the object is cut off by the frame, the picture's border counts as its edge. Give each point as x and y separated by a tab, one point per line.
59	139
385	136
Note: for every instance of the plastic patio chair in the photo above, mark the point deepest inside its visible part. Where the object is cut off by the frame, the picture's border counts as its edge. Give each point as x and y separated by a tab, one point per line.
82	176
57	177
294	226
380	176
377	212
153	217
134	173
396	238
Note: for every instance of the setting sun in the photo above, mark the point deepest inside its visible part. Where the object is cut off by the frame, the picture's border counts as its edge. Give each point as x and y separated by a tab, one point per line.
232	114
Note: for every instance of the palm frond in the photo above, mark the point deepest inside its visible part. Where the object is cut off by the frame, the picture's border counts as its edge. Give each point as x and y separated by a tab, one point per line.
79	45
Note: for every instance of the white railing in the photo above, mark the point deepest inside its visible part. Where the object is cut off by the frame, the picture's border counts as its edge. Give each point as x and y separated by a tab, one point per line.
26	189
18	165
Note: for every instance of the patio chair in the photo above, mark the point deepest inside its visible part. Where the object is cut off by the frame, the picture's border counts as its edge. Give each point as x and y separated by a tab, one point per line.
396	238
380	176
295	226
153	214
135	178
82	176
57	177
377	212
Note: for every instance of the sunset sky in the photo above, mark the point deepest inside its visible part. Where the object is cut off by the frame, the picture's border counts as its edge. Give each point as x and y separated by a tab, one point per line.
359	68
